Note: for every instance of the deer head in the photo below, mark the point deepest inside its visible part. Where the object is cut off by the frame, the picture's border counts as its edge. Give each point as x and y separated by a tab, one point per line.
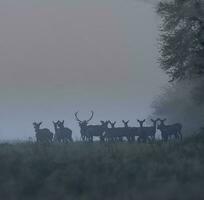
104	124
84	122
112	123
141	122
55	124
60	124
161	125
125	123
37	125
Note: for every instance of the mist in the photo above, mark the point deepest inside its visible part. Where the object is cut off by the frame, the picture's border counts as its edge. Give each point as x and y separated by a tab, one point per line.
182	102
59	58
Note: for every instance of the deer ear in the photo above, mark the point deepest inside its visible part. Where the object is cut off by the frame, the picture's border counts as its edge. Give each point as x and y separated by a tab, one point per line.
114	122
123	121
128	121
63	122
40	123
144	120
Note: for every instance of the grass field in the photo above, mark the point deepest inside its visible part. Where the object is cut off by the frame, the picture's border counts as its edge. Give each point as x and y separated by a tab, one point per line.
121	171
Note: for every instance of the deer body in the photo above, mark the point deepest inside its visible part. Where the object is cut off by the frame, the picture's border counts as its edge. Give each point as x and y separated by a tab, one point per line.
94	131
64	132
116	133
57	135
42	135
170	130
150	131
89	131
143	133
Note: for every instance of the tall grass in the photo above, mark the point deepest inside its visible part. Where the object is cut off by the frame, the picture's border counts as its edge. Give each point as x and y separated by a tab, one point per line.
121	171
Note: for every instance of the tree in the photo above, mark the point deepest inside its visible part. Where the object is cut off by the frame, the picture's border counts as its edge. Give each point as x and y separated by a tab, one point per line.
182	38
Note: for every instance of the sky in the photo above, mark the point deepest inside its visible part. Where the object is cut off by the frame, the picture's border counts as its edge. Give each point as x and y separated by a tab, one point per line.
59	57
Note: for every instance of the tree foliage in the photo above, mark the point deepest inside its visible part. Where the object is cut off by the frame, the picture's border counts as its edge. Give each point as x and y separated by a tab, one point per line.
182	38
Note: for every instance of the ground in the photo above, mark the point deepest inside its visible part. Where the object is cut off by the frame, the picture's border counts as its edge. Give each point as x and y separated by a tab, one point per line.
122	171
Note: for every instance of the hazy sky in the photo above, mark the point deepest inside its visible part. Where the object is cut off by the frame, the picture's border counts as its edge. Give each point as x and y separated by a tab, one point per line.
58	57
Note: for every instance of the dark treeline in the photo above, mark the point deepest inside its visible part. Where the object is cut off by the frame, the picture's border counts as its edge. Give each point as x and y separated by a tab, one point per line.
182	58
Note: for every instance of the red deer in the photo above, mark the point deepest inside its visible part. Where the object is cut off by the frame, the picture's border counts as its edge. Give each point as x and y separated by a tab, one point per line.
149	131
66	133
142	133
116	133
169	130
89	131
42	135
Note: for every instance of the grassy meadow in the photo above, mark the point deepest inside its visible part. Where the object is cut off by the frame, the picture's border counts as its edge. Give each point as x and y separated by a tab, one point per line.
119	171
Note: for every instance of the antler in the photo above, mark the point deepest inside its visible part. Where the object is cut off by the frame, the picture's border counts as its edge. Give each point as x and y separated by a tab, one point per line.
92	113
76	117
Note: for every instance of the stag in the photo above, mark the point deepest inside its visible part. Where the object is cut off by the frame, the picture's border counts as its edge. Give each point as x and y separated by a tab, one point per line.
90	131
84	126
42	135
170	130
65	133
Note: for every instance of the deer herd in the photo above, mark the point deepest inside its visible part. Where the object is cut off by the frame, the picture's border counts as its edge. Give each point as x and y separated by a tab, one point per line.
107	132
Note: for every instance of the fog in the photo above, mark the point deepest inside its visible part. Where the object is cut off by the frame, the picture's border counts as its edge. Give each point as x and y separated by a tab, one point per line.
60	57
182	102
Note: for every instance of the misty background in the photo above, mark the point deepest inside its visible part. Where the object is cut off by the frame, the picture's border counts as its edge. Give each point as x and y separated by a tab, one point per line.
66	56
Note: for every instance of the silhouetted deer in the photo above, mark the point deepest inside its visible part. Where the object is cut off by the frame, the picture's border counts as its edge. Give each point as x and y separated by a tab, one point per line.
125	123
116	133
131	132
84	126
149	131
128	131
65	133
142	134
42	135
110	133
89	131
113	133
57	135
112	123
97	130
169	130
